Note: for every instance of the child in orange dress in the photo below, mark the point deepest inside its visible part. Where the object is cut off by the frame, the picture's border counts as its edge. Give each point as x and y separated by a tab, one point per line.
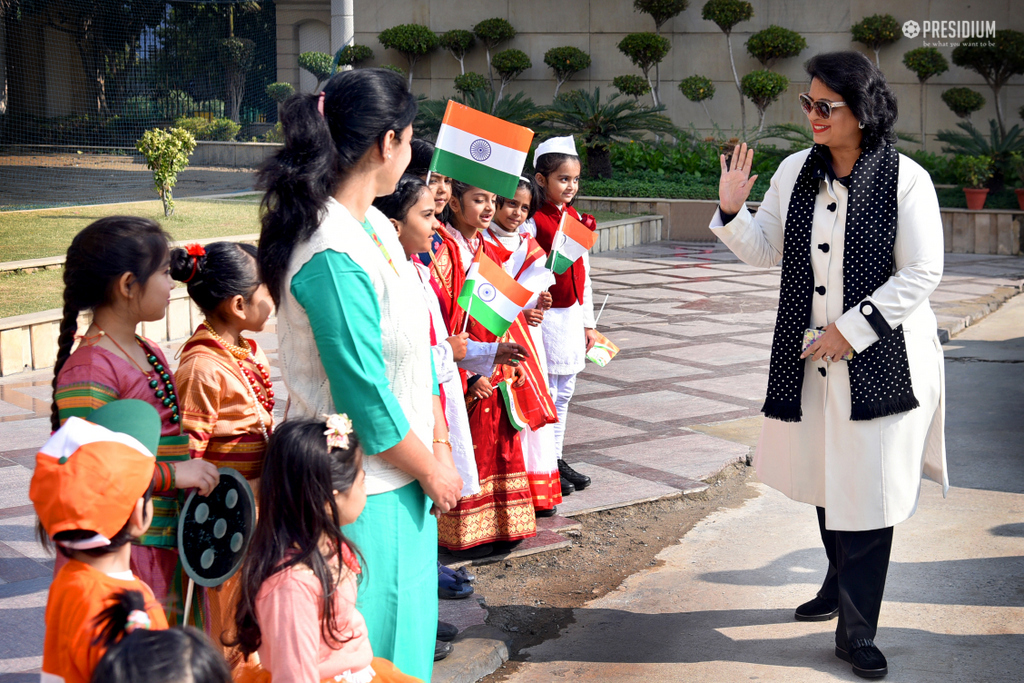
299	580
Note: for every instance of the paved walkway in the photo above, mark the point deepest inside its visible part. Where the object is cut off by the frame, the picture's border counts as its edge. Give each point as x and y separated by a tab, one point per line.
680	401
719	606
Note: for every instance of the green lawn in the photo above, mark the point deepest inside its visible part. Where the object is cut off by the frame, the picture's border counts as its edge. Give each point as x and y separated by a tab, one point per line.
35	234
31	292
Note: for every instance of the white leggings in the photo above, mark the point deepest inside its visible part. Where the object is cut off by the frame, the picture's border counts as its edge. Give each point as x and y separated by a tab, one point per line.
561	388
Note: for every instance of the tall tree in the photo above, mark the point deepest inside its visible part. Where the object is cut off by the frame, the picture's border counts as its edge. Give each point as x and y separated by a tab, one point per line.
726	14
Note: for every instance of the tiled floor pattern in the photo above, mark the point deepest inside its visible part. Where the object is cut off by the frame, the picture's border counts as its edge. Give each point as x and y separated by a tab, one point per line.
694	325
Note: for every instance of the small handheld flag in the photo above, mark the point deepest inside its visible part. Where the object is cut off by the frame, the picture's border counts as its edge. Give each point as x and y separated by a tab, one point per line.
491	296
603	350
481	150
572	240
513	408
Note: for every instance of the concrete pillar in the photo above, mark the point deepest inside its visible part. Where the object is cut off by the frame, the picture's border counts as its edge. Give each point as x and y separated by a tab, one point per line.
343	27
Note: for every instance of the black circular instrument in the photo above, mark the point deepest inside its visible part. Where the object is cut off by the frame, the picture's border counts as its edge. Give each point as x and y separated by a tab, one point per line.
214	531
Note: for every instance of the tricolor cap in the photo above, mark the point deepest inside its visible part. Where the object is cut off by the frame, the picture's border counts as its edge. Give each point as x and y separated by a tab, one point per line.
90	474
562	145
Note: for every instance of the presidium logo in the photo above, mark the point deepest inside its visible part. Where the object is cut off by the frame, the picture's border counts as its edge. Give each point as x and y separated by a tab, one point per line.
953	33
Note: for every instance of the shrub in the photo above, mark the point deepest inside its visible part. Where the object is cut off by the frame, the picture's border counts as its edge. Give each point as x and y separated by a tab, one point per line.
996	63
467	83
393	67
350	55
698	89
973	171
193	124
414	41
876	32
661	10
320	64
998	146
632	85
1017	166
566	62
279	92
492	33
775	43
222	129
646	50
275	134
939	166
510	64
963	101
763	88
458	43
166	154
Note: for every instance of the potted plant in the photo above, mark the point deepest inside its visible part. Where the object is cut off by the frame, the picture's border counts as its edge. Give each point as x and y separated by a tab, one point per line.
973	172
1017	164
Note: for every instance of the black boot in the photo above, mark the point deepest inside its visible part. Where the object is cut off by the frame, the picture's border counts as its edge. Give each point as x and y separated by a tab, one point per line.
567	486
579	481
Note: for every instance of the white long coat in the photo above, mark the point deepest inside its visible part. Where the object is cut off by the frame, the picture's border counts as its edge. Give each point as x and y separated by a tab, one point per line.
866	474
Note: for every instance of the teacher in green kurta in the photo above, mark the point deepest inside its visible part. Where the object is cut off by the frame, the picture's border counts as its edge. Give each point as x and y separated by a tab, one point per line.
355	338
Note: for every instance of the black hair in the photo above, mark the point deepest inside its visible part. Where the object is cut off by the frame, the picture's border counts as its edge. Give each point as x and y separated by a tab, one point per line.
528	183
422	153
297	511
121	538
863	87
155	656
360	107
228	269
407	192
548	164
98	256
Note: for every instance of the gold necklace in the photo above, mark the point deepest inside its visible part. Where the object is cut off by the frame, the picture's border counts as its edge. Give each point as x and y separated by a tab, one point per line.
239	352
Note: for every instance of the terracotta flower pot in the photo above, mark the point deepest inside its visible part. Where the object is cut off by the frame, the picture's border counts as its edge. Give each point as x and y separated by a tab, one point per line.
976	197
1020	197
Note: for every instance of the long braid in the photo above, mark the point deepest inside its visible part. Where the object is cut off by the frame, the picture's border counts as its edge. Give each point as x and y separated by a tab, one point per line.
68	328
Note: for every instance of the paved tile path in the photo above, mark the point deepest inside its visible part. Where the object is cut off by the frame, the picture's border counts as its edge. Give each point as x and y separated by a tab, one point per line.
680	401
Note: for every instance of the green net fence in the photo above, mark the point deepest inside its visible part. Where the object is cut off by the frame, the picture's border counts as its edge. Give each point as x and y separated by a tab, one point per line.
81	80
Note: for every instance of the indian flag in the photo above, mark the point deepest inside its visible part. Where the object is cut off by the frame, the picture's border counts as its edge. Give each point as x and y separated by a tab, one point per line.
572	240
515	412
481	150
490	295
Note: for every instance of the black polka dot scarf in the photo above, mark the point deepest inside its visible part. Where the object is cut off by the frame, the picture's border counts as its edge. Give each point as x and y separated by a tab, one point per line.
880	375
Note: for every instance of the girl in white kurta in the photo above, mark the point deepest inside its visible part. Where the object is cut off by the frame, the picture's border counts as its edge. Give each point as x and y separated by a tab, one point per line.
858	461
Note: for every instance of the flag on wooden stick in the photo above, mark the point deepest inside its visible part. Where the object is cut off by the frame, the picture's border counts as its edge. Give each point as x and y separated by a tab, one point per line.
491	296
572	240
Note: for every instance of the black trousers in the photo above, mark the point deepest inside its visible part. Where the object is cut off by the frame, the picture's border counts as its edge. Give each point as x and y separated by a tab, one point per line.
858	562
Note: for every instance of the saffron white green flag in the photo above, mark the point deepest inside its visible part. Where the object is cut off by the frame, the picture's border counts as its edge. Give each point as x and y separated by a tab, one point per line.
572	240
513	409
490	295
481	150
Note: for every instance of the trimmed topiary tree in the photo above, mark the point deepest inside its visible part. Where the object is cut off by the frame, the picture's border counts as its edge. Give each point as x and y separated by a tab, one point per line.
566	62
236	56
471	82
509	64
726	14
661	11
279	92
646	50
763	87
458	43
876	32
166	154
925	62
492	33
351	55
963	101
775	43
393	67
996	64
632	85
414	41
319	64
698	88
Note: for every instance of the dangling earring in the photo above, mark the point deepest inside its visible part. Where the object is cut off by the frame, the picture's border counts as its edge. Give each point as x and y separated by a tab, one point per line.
860	125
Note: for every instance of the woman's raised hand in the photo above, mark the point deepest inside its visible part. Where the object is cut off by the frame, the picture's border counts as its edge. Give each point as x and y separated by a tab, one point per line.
735	183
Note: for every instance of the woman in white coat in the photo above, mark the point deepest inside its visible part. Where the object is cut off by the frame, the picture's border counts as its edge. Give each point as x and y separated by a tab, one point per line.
855	418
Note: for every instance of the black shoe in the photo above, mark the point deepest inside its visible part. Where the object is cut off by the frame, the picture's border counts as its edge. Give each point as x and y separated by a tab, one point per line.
817	609
442	650
546	513
580	481
474	553
446	631
567	486
866	659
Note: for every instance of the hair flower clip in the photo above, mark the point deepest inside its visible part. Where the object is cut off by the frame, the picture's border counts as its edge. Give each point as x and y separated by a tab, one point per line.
196	250
137	619
338	429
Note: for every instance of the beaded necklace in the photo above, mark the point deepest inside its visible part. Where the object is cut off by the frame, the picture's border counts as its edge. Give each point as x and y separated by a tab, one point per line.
166	396
245	353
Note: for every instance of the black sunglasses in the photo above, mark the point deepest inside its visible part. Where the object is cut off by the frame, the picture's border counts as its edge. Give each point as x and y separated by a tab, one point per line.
823	107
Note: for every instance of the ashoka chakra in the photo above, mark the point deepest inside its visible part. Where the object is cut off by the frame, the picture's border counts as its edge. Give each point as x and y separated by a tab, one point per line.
480	150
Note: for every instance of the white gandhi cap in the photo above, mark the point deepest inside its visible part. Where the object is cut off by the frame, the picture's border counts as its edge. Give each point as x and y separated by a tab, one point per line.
562	145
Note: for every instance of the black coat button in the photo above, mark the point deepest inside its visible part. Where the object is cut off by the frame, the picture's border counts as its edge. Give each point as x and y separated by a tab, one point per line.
819	289
832	206
822	371
824	247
